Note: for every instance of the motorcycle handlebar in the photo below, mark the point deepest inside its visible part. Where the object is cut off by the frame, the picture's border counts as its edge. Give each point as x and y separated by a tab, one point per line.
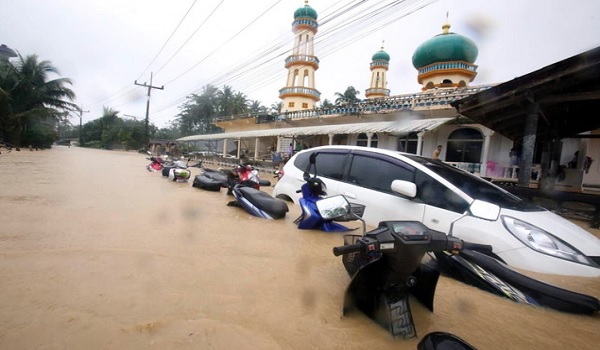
346	249
477	246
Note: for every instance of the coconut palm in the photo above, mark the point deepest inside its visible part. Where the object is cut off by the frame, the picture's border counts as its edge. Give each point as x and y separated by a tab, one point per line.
348	97
32	104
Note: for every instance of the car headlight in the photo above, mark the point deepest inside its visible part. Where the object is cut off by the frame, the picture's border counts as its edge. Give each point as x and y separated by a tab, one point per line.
543	242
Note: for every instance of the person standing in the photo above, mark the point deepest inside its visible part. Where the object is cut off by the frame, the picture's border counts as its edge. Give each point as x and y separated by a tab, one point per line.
436	152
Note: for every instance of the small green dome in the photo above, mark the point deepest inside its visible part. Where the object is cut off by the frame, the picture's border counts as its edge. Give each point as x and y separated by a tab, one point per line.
381	56
305	11
445	47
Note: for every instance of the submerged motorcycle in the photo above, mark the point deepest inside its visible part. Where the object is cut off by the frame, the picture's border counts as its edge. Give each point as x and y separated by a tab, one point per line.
386	267
156	163
313	191
180	172
244	184
258	203
214	180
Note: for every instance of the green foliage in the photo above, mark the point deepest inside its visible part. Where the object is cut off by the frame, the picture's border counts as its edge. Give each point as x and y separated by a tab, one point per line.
31	103
348	97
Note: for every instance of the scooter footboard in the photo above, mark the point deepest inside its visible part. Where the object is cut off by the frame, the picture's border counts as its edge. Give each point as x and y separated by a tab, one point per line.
396	316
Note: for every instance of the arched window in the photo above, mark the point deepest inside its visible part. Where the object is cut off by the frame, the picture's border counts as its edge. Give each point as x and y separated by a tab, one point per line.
363	140
464	145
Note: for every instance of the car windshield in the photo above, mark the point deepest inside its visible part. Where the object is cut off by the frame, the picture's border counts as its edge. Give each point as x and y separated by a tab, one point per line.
474	186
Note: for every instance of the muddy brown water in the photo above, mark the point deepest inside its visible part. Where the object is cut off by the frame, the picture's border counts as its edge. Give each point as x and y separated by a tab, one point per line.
98	253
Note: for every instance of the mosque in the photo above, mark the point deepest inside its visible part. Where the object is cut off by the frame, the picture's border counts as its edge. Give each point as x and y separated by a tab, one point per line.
415	123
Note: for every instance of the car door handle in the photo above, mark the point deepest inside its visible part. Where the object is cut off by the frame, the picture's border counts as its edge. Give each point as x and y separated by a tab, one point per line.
350	195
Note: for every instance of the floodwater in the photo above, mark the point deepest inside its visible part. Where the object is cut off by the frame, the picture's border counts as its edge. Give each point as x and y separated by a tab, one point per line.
98	253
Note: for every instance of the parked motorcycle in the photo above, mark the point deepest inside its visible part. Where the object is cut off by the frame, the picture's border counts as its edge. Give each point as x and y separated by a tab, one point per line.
385	265
156	163
180	172
314	190
258	203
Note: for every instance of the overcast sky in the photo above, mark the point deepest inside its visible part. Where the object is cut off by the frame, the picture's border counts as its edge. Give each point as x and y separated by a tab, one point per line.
104	46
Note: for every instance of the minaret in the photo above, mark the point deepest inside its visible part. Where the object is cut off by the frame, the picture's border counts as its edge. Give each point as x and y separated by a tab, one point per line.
379	67
299	92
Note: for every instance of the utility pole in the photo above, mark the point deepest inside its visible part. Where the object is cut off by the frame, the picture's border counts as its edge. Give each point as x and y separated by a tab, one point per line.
150	87
81	111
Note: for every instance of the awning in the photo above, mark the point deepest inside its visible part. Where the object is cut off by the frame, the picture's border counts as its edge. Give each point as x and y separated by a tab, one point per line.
400	128
566	93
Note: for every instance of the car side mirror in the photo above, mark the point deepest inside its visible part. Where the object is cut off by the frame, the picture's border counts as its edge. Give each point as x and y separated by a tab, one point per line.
404	188
484	210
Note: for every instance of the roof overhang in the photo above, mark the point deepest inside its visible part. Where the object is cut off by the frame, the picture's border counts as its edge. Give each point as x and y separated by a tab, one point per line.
566	96
400	128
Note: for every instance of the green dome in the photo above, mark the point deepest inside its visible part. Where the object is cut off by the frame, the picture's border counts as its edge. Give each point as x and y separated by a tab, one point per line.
381	56
445	47
305	11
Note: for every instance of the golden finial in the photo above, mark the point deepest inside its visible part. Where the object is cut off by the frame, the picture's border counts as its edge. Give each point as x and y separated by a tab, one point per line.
382	42
446	26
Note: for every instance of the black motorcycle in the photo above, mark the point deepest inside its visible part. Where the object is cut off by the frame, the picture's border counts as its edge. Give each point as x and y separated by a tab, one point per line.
386	266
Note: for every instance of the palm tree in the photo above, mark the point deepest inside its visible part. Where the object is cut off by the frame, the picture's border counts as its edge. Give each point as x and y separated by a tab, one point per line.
348	97
326	104
255	106
239	104
277	107
31	105
225	97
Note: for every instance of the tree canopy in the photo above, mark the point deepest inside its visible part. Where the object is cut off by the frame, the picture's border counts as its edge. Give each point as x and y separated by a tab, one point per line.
32	104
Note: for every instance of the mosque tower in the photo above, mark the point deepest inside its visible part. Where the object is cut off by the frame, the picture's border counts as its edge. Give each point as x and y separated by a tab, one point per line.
299	92
445	61
379	67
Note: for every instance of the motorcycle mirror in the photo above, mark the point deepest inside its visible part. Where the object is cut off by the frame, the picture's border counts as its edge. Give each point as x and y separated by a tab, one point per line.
306	175
333	207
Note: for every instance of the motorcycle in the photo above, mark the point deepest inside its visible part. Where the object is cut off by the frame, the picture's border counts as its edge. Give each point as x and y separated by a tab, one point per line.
443	341
313	191
258	203
156	163
385	266
180	172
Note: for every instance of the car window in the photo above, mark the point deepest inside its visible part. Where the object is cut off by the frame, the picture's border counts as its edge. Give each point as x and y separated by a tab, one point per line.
328	164
377	173
476	187
432	192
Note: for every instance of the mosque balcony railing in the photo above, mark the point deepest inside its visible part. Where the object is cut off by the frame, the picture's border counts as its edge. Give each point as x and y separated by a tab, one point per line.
378	91
435	98
448	65
380	64
305	22
306	59
310	92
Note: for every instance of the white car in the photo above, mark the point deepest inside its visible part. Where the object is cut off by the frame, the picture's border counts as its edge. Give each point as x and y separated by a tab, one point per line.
525	236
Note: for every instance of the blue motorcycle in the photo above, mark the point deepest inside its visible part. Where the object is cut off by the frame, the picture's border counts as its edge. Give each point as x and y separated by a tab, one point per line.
313	191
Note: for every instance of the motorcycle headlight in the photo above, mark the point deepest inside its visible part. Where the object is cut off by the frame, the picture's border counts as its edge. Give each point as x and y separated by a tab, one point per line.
543	242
